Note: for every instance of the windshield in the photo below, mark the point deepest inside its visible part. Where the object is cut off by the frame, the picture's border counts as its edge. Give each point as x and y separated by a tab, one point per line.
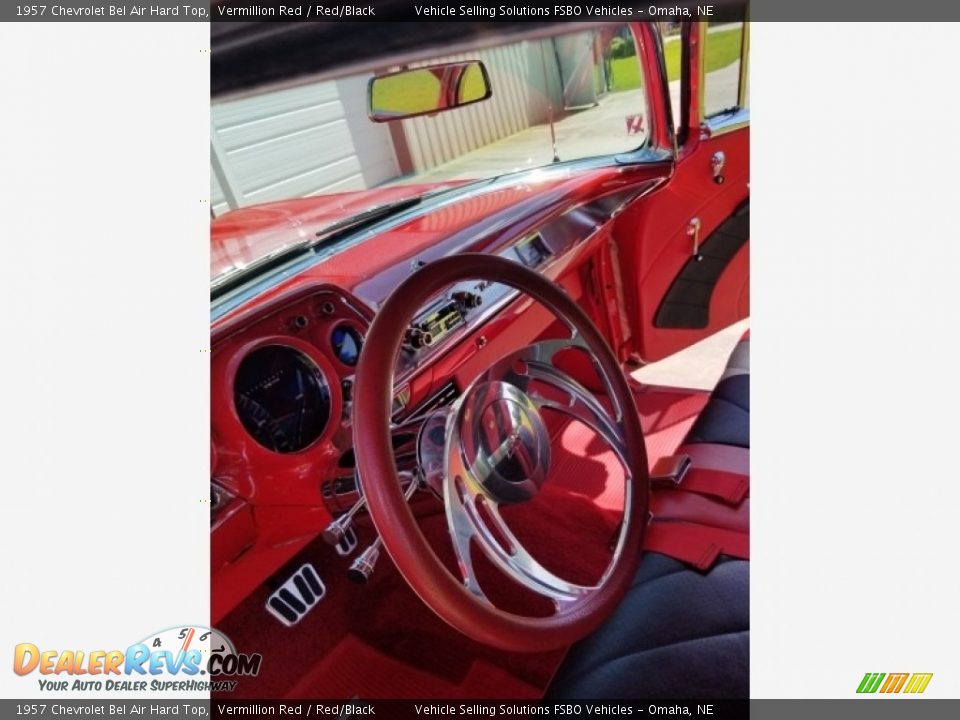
317	156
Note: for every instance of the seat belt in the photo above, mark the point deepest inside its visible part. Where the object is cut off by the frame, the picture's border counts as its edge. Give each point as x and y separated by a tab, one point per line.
694	544
676	472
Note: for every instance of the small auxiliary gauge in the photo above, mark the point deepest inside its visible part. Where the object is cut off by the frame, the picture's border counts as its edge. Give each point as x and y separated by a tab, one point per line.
346	344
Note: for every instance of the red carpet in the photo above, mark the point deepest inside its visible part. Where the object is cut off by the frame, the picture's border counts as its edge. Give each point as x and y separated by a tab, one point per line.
380	640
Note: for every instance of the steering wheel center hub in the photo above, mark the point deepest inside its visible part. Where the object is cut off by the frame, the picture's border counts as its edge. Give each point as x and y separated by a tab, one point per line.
505	441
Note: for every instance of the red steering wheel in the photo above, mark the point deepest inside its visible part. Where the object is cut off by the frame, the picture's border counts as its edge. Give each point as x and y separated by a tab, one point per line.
497	451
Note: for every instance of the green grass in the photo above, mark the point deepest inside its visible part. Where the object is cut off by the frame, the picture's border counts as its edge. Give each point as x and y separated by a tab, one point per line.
723	48
624	73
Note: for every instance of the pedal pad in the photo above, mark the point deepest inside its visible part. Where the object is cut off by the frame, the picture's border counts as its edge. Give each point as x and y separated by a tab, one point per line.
347	543
291	602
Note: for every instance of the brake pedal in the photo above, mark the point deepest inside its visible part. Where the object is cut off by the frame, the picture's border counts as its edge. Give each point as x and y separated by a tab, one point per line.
300	594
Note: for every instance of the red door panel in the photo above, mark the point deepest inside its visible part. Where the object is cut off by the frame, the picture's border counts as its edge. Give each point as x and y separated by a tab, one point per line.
686	247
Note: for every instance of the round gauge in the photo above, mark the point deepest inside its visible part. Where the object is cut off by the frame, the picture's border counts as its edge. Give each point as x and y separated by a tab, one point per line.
282	398
207	650
346	344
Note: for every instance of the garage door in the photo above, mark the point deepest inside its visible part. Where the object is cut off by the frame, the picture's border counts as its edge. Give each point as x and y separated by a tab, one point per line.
299	141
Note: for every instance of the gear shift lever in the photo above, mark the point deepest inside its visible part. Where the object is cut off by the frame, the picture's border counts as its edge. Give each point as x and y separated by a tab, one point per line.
362	568
336	530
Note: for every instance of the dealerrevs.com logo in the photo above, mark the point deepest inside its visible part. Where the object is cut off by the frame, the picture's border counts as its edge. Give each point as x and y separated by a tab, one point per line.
910	683
182	659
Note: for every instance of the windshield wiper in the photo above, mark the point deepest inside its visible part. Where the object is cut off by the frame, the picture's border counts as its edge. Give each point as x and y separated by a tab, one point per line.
329	235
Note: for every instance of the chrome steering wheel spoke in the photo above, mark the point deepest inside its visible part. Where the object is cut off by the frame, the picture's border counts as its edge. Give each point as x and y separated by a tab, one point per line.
497	452
464	495
536	362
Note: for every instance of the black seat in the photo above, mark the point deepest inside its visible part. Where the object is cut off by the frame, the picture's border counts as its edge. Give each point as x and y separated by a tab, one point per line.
726	418
679	633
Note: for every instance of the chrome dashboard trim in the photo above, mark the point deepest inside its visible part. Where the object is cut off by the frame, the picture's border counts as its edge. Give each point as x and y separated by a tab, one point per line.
622	161
434	352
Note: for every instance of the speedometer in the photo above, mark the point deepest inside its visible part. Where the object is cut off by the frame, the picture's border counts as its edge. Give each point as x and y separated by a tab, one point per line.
282	398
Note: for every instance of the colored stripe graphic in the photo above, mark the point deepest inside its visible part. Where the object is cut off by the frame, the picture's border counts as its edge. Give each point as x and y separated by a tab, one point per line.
918	682
894	682
870	682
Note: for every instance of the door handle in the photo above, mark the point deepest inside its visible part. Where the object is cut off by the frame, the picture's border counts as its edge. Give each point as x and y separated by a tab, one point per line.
693	231
717	162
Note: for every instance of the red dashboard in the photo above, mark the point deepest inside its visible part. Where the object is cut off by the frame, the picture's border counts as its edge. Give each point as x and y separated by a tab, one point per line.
283	366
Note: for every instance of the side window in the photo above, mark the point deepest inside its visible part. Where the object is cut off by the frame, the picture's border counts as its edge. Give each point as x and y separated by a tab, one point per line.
726	63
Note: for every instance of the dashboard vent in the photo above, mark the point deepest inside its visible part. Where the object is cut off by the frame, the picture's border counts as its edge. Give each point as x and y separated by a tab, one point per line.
444	396
532	251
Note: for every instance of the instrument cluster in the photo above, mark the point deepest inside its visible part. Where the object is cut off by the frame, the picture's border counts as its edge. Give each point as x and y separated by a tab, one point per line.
281	385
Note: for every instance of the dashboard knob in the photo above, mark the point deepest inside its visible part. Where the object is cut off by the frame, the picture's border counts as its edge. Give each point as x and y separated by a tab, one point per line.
469	300
418	338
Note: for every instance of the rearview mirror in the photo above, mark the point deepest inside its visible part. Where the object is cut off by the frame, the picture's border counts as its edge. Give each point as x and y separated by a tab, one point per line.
427	90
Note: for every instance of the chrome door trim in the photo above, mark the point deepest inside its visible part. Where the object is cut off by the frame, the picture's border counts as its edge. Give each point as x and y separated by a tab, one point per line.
726	122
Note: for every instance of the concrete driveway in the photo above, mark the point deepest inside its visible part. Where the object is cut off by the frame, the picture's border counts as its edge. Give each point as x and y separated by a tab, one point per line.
597	130
700	366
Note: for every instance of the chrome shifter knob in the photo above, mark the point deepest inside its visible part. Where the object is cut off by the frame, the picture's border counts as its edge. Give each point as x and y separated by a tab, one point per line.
337	530
362	568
